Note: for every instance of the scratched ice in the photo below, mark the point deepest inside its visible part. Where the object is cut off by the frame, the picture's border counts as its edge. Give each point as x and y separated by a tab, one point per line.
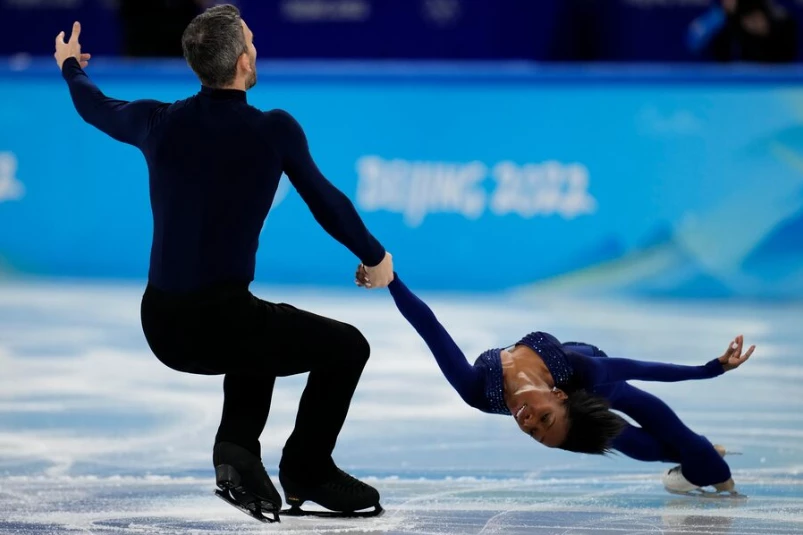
96	436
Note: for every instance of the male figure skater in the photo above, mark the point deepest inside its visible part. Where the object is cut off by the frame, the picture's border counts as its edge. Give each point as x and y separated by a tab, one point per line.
214	163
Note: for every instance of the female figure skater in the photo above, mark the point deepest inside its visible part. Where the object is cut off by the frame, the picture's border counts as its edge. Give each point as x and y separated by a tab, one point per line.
561	395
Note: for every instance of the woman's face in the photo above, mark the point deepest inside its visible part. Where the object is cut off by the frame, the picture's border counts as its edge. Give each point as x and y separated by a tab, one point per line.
537	408
542	415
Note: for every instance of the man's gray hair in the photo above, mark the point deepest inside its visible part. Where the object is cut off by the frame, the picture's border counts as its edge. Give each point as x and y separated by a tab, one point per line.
213	42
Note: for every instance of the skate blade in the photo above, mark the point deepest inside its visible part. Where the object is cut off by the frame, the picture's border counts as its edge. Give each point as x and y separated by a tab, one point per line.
709	494
254	511
298	511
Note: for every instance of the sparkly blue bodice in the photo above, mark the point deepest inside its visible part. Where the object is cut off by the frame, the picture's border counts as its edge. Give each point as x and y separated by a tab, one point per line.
490	366
551	352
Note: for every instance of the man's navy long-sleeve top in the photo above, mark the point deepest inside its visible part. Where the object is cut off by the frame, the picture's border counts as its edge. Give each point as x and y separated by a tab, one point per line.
215	163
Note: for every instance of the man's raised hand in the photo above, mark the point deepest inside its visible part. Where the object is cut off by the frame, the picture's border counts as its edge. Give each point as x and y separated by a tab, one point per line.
71	48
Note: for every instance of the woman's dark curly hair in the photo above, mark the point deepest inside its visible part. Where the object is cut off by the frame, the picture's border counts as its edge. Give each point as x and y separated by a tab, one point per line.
592	424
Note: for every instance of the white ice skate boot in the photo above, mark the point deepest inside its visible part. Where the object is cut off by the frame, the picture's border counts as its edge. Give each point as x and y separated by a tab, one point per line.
676	483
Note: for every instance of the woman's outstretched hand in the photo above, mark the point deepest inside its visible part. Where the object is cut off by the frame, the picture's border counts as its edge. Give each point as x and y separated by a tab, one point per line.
363	278
733	358
379	276
360	278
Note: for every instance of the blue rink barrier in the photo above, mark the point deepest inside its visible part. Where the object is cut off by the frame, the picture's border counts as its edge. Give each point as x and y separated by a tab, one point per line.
641	181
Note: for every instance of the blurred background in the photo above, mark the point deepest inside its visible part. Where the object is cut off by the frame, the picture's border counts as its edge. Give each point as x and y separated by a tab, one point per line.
632	147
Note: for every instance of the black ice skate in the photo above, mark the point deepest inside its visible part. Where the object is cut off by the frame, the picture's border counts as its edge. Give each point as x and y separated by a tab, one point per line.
344	496
243	482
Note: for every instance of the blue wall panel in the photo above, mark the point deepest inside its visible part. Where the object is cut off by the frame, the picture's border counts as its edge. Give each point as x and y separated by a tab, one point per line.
653	184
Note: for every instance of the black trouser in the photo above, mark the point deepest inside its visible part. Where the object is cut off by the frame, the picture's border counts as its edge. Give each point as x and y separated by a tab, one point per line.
229	331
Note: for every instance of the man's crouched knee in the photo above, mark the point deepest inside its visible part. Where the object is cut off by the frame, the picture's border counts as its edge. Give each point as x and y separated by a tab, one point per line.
358	347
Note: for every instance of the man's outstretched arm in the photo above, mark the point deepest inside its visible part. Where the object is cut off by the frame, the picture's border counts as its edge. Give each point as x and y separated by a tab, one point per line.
331	208
125	121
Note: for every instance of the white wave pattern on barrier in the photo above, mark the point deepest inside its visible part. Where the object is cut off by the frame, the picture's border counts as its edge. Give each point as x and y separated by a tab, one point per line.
11	189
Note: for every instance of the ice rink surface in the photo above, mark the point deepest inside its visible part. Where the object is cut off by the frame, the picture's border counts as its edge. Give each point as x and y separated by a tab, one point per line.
96	436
